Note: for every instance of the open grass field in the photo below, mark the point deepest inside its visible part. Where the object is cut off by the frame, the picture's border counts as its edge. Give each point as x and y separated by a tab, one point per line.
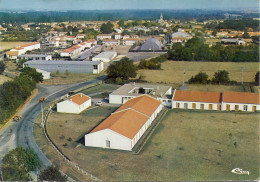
62	78
10	45
215	88
184	147
172	71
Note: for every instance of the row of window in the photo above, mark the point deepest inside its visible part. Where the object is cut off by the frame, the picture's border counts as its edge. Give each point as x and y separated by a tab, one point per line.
202	106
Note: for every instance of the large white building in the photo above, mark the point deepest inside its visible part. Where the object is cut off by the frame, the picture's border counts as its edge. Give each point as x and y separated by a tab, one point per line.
94	67
128	91
226	101
104	36
196	100
105	56
74	104
240	101
123	128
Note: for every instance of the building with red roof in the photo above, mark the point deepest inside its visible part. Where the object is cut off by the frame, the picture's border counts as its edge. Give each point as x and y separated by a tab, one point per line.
123	128
74	104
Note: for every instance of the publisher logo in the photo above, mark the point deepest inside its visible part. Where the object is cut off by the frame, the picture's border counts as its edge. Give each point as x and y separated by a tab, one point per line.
239	171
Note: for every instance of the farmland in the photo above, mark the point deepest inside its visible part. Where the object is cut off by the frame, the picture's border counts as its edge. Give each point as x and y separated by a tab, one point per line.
172	71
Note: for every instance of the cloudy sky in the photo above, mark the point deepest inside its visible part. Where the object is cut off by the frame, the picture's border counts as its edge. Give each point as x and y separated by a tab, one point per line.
126	4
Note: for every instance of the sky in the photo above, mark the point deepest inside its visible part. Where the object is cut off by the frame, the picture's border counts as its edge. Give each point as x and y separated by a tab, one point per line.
126	4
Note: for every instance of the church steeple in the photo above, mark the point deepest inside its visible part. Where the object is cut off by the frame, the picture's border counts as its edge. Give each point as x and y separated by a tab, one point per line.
161	17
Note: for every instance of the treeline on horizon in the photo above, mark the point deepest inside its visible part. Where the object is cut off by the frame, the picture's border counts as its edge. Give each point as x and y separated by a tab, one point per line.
99	15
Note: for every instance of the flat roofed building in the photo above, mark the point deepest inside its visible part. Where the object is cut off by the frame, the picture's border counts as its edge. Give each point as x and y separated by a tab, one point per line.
74	104
94	67
111	42
160	92
123	128
240	101
105	56
183	99
44	57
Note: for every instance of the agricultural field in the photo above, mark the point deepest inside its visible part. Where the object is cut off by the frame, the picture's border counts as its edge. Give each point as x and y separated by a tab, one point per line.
10	45
172	71
183	147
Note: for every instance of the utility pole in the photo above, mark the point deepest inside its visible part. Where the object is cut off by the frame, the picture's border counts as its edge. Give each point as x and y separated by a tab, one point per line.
184	72
43	99
242	75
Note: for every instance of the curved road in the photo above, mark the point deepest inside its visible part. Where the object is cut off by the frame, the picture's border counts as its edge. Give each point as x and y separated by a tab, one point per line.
21	133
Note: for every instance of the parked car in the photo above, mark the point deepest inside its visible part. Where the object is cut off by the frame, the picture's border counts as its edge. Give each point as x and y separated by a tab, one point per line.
99	103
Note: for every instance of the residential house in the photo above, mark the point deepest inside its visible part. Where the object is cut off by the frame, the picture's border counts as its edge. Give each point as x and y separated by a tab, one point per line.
110	42
74	104
130	41
103	36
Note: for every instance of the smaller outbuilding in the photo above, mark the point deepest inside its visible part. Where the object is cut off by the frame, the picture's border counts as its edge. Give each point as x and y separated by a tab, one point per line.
105	56
74	104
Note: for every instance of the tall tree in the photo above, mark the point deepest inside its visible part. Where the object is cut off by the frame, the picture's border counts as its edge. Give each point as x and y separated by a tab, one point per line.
37	77
52	173
221	77
107	27
121	23
199	78
123	69
18	163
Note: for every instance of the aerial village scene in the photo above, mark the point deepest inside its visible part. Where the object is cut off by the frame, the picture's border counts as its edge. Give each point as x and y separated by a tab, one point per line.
151	90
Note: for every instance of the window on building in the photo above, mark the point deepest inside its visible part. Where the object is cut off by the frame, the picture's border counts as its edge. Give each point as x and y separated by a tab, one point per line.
202	106
185	106
245	107
177	105
193	105
107	143
236	107
227	107
95	67
210	106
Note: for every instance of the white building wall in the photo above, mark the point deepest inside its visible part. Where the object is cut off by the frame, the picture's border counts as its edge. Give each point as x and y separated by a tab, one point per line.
182	105
68	106
240	107
99	138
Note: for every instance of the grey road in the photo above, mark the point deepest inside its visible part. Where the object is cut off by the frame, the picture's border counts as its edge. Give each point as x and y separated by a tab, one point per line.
21	133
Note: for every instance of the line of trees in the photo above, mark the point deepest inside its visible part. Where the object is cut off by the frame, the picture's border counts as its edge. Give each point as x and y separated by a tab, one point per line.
121	71
14	93
196	50
220	77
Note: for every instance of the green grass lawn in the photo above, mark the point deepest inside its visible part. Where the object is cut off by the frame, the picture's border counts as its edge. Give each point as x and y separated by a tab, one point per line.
186	146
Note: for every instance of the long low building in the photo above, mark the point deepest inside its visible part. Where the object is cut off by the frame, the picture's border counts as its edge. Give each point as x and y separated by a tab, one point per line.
128	91
44	57
105	56
123	128
226	101
94	67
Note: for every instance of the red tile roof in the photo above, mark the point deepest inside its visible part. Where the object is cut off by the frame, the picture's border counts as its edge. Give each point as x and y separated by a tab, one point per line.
79	98
126	123
144	104
241	97
197	96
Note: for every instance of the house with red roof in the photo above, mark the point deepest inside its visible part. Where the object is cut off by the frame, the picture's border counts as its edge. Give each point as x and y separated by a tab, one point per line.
123	128
74	104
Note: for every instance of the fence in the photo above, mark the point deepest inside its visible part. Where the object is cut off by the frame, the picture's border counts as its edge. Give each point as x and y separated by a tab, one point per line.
61	154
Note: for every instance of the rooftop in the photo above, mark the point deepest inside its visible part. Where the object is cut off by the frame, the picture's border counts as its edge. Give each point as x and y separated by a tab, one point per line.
79	98
241	97
41	62
197	96
109	55
34	55
133	89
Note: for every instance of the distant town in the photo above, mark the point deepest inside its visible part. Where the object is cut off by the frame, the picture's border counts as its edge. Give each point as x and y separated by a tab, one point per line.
165	96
